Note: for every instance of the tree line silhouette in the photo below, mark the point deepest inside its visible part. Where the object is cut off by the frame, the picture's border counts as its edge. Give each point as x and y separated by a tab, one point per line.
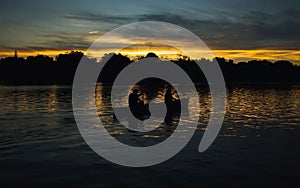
42	69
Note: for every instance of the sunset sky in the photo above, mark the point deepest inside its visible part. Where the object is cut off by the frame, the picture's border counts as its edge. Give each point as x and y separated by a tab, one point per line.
237	29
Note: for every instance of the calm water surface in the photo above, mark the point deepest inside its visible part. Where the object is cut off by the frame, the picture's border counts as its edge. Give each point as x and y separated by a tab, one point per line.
258	145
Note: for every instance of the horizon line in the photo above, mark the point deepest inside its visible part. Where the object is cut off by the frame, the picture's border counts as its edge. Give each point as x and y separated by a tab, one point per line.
237	55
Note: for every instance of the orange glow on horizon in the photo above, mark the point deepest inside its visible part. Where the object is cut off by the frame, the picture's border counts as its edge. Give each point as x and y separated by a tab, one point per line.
51	53
171	53
259	54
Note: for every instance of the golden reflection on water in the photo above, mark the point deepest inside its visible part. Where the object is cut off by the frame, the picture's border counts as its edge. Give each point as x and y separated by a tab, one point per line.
24	99
253	109
52	102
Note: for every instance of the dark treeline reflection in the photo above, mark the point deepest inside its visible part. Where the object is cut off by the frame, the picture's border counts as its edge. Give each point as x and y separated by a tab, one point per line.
43	69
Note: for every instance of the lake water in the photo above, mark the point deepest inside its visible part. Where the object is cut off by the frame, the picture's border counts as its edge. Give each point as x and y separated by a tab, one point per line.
258	145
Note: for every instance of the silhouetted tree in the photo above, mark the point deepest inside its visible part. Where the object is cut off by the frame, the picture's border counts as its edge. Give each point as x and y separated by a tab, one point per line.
43	69
151	54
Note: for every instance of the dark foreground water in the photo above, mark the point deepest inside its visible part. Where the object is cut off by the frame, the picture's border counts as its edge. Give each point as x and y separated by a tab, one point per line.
258	146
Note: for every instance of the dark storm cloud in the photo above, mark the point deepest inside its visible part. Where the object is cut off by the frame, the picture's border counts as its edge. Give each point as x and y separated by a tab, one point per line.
53	41
236	24
252	29
61	41
98	18
223	29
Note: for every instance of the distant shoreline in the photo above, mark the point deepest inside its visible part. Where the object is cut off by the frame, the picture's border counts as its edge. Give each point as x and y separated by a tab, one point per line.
43	70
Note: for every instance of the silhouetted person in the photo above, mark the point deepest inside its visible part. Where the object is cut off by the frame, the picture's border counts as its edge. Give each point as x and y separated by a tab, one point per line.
172	104
134	97
168	96
138	108
169	99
